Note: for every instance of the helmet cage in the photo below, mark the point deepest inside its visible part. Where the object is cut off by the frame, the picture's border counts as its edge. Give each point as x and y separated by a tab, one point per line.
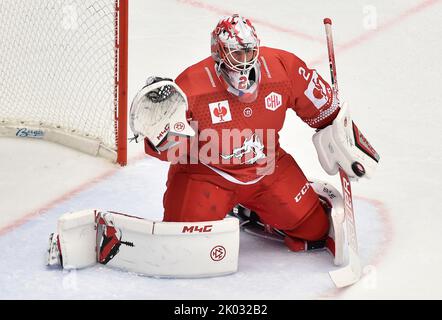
240	57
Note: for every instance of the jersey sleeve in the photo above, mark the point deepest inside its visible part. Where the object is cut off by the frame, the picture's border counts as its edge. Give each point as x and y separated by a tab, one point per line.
185	84
313	99
150	150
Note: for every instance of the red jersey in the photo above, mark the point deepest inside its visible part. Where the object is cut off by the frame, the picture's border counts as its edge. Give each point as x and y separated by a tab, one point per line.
236	139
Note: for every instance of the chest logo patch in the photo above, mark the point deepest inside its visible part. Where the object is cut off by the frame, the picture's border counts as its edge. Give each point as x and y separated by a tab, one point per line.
220	112
248	112
273	101
252	147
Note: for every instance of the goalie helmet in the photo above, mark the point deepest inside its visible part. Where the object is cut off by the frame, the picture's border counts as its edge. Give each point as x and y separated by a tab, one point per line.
235	49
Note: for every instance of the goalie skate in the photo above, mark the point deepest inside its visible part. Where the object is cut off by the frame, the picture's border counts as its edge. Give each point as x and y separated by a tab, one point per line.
53	257
251	224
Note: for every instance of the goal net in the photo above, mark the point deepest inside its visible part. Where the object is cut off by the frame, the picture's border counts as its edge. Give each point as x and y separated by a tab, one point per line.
63	73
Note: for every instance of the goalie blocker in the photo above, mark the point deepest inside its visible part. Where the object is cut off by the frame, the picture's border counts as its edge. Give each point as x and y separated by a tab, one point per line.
343	145
158	249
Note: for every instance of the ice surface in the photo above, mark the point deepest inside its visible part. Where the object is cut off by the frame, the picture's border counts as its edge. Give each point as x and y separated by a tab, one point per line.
267	270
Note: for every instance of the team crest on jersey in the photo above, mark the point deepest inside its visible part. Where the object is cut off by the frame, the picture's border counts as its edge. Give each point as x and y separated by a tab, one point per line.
252	146
220	112
317	91
273	101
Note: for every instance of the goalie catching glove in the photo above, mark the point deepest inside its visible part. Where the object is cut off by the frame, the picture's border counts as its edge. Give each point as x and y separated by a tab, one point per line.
158	111
343	145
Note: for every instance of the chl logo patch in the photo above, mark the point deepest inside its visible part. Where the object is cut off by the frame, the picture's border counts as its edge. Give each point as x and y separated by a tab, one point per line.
220	112
273	101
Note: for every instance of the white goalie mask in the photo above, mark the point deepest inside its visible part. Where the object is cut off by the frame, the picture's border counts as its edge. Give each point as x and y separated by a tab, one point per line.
235	49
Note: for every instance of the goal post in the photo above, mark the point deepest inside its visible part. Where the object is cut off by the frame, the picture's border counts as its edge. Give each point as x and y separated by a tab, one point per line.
64	73
123	57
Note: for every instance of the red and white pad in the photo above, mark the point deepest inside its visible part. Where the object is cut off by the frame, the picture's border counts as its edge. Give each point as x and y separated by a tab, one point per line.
158	249
168	250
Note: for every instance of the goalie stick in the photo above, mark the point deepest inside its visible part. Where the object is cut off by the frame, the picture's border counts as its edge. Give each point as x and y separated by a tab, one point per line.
351	273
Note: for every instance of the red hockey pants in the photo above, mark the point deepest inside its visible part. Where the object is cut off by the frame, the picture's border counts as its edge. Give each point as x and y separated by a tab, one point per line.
197	194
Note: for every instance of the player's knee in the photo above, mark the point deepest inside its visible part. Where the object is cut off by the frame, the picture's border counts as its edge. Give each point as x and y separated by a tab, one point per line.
315	226
196	200
321	223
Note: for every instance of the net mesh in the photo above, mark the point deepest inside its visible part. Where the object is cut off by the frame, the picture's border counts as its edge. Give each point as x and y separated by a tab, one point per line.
58	66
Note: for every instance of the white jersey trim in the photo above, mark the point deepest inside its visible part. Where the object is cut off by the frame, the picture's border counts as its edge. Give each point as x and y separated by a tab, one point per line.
266	67
212	81
228	177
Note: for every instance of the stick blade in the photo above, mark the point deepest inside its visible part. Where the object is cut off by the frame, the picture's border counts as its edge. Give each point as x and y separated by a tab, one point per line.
348	275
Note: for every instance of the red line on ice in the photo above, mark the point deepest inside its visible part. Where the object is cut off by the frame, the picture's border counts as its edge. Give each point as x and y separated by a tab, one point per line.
379	30
220	11
46	207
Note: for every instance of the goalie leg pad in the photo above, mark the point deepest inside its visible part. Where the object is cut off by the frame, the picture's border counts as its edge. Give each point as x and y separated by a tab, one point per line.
74	245
335	202
158	249
168	250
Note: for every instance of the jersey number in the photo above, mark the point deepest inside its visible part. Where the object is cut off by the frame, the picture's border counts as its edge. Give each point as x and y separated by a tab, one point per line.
243	83
304	73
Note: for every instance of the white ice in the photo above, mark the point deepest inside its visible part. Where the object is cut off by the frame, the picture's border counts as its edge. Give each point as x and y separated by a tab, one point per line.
391	78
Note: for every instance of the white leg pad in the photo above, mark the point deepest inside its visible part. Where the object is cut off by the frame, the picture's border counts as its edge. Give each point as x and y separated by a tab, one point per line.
330	194
169	250
77	239
158	249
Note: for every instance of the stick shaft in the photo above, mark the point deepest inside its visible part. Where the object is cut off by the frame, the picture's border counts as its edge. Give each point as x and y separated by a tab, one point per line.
331	53
353	271
349	211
